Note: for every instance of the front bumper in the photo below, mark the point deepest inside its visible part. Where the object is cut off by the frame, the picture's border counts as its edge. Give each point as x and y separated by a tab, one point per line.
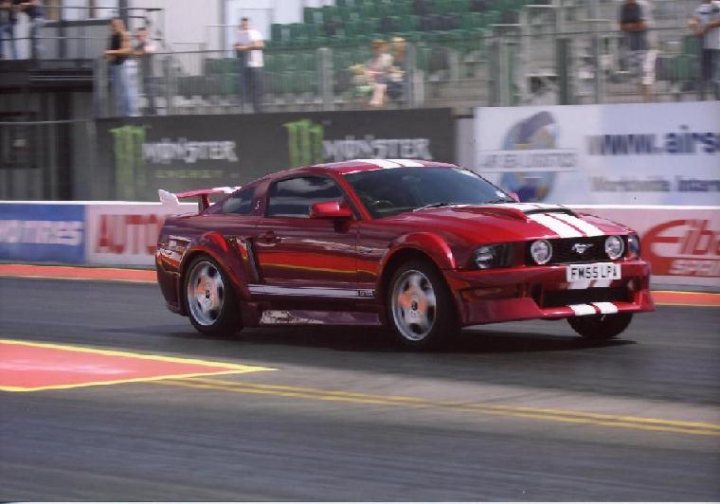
542	292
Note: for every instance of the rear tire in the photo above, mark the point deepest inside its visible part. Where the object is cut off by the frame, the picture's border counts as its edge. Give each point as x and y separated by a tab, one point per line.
601	327
420	309
210	300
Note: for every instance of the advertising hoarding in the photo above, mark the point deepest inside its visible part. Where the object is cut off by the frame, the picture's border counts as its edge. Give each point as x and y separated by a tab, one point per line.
651	154
181	153
32	232
126	234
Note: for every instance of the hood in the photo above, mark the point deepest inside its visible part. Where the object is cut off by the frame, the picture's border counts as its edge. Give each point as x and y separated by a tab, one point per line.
509	222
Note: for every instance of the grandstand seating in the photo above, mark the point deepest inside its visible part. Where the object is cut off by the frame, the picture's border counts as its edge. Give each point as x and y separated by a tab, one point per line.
442	31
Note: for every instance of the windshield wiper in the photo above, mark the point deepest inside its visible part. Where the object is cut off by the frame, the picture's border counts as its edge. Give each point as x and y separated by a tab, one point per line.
499	200
432	205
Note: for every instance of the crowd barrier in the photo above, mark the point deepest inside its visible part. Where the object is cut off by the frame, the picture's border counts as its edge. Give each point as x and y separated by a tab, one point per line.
682	243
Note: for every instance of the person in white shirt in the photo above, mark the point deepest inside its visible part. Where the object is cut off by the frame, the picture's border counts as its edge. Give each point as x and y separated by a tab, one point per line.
249	48
705	23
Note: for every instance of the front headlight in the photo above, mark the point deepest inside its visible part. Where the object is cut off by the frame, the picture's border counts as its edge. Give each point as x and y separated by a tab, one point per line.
634	245
541	251
614	247
490	256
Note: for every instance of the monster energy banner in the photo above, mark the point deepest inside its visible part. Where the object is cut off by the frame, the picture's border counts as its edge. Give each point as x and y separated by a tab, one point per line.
185	152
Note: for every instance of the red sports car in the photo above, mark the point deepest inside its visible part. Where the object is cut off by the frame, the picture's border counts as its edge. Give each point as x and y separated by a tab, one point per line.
422	248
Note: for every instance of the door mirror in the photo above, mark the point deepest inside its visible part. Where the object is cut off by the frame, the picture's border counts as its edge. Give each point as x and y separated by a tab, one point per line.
330	210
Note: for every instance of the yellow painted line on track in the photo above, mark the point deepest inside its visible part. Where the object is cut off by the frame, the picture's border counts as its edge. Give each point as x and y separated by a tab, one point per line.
553	415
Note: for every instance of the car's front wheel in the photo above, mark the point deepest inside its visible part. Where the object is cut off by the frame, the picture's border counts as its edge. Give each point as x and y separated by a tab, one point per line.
420	306
601	327
209	298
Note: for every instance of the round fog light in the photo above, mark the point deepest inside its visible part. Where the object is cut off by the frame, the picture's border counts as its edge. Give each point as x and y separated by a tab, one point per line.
614	247
541	251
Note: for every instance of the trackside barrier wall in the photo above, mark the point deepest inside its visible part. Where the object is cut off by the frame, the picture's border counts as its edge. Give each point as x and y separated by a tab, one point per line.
682	243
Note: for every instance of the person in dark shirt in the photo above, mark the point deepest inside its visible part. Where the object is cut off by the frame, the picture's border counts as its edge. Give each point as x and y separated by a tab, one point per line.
117	53
8	20
635	22
35	12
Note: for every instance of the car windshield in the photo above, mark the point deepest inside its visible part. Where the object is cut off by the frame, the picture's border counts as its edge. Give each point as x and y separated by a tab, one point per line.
393	191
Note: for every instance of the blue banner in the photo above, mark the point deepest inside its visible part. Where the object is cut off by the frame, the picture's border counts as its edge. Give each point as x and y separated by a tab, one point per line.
42	232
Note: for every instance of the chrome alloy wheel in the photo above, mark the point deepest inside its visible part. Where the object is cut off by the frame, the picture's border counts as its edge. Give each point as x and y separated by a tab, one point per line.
413	305
205	293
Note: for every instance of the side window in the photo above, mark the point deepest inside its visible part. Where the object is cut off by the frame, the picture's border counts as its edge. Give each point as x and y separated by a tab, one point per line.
239	203
294	197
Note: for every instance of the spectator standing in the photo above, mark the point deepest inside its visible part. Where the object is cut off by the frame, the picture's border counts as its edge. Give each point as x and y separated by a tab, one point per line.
8	20
636	22
705	23
117	54
34	11
249	48
377	69
143	50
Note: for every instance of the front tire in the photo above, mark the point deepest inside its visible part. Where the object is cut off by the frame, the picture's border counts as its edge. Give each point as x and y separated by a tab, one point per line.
420	306
209	299
601	327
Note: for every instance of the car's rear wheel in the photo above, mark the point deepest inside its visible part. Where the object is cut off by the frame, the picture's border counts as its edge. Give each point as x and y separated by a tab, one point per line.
209	298
601	327
420	306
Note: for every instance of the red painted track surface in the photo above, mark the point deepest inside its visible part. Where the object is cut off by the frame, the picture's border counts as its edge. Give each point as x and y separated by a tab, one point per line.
148	276
27	366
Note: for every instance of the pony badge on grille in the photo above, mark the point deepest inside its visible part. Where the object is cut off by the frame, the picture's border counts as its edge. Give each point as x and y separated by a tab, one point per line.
581	248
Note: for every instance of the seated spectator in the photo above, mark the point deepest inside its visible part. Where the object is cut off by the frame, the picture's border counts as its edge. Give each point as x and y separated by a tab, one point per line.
397	74
377	70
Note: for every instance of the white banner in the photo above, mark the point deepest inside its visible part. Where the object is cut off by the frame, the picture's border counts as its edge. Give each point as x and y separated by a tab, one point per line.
125	234
681	243
663	153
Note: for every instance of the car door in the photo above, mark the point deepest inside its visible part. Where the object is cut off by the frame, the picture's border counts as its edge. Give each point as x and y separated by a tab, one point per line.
298	255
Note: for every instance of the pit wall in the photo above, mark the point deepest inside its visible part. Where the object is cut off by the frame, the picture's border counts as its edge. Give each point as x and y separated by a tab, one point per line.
682	243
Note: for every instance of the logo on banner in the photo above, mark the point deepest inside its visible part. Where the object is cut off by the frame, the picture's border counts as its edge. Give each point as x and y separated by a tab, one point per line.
305	142
129	164
684	247
307	145
530	157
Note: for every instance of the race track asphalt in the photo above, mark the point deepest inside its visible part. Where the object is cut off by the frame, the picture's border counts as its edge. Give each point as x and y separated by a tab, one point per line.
519	411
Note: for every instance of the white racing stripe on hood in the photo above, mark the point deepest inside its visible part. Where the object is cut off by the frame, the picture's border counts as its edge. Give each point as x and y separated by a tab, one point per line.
556	226
582	225
407	163
380	163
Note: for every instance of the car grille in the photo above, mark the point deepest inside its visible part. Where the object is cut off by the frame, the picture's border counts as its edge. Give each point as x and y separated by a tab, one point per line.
582	296
563	251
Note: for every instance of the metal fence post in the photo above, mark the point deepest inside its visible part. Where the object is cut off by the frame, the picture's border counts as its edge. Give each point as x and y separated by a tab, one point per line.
563	62
326	74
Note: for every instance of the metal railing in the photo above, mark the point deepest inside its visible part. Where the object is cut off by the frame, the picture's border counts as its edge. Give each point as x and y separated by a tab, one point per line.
508	66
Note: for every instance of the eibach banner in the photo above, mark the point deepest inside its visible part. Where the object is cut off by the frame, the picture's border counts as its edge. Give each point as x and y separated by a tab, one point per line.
682	244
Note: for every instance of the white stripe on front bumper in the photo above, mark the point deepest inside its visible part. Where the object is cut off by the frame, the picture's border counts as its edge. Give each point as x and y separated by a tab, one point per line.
606	308
582	310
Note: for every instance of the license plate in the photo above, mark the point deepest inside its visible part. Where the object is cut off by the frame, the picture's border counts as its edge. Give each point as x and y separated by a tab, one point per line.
594	271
